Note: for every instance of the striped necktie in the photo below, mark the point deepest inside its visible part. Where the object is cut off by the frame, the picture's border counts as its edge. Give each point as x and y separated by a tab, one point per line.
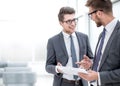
99	51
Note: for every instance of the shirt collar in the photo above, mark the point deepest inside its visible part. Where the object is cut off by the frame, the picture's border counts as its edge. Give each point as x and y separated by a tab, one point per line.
68	35
111	25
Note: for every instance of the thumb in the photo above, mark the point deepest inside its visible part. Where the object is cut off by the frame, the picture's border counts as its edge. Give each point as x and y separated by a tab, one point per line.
86	57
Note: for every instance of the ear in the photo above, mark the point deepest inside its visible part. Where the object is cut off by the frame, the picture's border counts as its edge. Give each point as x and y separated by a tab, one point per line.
99	13
60	23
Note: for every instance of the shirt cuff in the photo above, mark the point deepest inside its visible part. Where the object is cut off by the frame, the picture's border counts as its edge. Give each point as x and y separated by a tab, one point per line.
99	81
56	69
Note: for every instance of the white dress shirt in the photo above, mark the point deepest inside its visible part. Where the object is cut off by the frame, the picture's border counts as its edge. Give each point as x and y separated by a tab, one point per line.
67	44
109	29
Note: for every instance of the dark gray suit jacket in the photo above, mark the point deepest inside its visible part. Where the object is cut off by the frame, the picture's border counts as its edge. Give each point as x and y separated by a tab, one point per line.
110	63
56	52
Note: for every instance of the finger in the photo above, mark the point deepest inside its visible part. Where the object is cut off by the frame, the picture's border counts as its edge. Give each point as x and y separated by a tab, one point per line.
83	75
59	64
77	62
86	57
90	71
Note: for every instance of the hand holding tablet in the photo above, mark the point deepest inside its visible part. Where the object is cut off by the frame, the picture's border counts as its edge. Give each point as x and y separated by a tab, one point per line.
71	70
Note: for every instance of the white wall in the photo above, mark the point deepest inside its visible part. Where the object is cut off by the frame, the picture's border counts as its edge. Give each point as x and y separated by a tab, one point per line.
116	6
25	26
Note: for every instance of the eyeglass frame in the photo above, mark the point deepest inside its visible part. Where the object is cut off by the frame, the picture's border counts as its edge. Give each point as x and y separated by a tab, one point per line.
89	14
70	21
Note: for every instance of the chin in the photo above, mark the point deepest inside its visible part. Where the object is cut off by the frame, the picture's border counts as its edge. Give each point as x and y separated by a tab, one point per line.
72	31
98	25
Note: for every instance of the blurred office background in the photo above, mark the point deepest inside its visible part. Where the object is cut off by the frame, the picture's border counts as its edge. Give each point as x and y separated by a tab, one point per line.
26	25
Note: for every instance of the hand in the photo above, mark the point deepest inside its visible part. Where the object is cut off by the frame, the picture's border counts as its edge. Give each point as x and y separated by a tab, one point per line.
58	68
90	76
59	64
85	63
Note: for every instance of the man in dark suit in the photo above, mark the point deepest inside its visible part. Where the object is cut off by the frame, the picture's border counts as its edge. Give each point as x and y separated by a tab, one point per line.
107	70
58	49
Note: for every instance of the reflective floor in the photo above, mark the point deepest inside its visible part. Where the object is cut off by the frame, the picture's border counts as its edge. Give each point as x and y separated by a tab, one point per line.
43	78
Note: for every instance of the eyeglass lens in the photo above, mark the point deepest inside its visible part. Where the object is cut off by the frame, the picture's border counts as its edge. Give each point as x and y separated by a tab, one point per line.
70	21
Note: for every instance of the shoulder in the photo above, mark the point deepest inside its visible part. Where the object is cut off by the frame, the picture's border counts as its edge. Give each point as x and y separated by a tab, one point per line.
81	34
117	28
118	25
55	37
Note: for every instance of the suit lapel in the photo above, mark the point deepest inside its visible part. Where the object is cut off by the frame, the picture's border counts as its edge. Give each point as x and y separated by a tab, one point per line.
106	51
96	48
80	44
62	44
97	45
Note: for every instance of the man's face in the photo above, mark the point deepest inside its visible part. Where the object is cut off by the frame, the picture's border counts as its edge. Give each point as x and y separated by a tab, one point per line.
69	23
95	16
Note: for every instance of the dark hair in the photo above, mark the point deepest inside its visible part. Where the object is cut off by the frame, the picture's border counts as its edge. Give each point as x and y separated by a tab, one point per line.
105	5
63	11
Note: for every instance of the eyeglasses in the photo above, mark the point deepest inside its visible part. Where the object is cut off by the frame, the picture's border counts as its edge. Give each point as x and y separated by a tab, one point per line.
89	14
75	20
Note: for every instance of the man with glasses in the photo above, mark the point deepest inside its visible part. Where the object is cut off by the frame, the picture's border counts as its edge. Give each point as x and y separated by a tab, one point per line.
60	53
106	64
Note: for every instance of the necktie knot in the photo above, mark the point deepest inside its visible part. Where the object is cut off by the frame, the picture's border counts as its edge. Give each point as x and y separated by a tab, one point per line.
103	32
70	37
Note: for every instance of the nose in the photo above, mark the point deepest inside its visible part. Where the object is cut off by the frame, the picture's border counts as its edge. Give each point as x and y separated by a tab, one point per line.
73	22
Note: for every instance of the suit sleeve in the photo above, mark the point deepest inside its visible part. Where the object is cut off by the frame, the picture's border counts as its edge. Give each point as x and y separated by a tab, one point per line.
89	51
110	71
50	61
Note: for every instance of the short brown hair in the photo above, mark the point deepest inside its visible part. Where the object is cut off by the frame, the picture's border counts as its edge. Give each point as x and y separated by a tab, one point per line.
63	11
105	5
